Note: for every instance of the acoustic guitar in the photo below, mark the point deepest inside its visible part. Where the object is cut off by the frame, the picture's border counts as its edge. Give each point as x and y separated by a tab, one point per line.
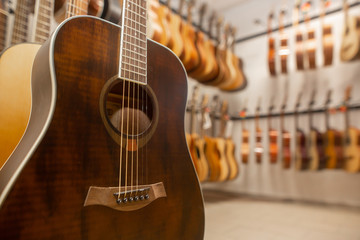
327	38
284	48
158	29
310	45
245	146
220	56
15	97
271	47
299	40
229	143
273	136
175	42
215	148
211	70
200	142
96	149
317	160
350	44
259	149
285	138
192	137
333	141
200	46
351	143
301	155
189	56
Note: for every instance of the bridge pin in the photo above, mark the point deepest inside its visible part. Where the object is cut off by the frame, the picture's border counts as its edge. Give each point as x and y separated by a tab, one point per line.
125	200
136	198
131	199
142	197
147	197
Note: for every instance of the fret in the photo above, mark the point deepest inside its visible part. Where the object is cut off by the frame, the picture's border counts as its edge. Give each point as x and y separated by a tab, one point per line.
136	47
20	28
140	16
139	27
138	55
128	60
136	38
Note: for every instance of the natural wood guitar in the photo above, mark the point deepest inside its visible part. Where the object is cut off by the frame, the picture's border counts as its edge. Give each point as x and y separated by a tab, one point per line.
273	136
189	56
259	149
285	139
350	45
310	41
316	151
301	155
333	141
284	48
175	43
85	169
15	99
212	68
229	143
158	29
271	47
327	38
245	146
351	140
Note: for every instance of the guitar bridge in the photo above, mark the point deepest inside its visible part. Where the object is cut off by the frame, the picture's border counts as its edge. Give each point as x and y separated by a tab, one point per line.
129	199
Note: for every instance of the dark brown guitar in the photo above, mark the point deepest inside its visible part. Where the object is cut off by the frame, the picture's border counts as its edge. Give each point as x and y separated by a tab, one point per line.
311	39
95	161
301	157
284	48
299	41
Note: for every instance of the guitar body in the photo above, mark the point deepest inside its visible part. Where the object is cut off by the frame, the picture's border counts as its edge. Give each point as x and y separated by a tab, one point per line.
271	56
301	157
245	147
212	68
175	42
15	97
311	49
351	151
258	146
156	30
189	56
299	51
316	151
350	45
328	44
239	80
200	146
223	69
333	149
230	156
67	147
194	152
198	71
273	147
232	76
212	155
223	163
286	152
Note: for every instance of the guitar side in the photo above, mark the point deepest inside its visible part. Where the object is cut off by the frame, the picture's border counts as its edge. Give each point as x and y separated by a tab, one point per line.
73	151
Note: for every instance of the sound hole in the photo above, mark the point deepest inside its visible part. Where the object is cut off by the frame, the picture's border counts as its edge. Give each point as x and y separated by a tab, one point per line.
129	108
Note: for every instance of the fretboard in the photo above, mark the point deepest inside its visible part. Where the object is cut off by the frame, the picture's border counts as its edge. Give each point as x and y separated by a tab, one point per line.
76	8
133	48
43	14
20	29
3	23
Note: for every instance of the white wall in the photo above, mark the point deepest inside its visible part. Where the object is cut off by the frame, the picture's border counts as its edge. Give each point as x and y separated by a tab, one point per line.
332	186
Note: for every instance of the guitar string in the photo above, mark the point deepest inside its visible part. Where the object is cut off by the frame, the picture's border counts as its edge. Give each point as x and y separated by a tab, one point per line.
132	127
137	127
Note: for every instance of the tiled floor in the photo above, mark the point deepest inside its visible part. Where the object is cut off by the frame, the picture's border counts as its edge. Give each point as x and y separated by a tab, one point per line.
230	217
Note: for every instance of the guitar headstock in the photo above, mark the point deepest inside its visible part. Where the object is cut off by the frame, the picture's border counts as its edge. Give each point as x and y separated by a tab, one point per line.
181	7
347	95
219	25
190	6
298	101
194	96
211	20
270	19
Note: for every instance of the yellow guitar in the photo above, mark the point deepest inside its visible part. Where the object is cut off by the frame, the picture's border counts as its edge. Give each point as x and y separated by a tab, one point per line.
15	96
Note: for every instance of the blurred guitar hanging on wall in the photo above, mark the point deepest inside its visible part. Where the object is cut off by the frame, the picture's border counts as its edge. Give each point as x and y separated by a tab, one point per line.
327	38
333	141
299	40
350	44
259	149
301	157
95	160
271	47
351	139
285	138
175	43
245	147
311	39
273	135
284	48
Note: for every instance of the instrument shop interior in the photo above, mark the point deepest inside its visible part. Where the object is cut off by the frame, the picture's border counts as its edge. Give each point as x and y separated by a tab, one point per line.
208	119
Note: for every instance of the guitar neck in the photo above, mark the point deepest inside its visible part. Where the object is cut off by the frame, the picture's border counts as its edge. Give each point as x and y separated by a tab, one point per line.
43	15
77	7
20	28
3	24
